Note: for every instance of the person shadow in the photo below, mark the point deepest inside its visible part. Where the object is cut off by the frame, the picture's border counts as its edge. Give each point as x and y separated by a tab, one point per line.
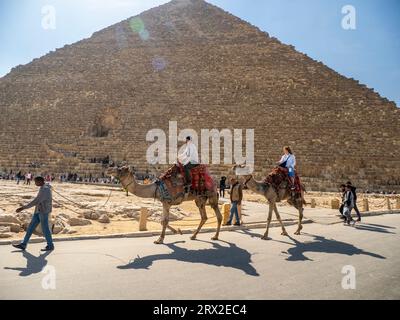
230	256
374	228
33	264
323	245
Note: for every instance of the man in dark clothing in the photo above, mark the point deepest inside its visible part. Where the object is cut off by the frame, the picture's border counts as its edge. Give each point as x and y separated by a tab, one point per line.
343	191
348	205
222	187
353	191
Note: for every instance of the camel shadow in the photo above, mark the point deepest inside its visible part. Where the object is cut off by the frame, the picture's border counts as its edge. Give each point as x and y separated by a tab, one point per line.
220	256
323	245
33	264
249	233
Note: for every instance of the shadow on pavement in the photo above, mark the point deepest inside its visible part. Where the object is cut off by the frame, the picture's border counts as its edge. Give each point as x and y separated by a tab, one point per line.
380	225
323	245
220	256
374	228
33	264
249	233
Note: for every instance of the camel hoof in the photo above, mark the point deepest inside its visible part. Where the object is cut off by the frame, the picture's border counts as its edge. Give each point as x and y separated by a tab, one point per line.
180	232
214	238
193	238
159	241
297	233
265	238
284	233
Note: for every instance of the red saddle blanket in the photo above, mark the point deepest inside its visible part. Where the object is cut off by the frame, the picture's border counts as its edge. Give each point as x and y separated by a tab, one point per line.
174	178
280	175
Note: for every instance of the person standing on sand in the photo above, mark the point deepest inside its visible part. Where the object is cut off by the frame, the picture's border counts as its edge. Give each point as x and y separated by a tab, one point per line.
28	178
43	208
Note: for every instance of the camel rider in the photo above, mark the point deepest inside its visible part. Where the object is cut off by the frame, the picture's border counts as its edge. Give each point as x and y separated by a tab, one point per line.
190	159
288	161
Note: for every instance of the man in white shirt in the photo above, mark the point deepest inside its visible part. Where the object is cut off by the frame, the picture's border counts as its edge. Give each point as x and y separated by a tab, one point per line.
190	159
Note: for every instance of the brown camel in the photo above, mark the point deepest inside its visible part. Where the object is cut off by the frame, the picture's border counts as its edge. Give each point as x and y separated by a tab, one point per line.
269	192
151	191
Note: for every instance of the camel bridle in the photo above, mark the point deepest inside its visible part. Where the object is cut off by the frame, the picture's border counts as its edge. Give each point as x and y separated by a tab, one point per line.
247	181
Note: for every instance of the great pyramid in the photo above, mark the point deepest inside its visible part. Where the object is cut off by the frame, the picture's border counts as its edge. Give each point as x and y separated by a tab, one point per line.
191	62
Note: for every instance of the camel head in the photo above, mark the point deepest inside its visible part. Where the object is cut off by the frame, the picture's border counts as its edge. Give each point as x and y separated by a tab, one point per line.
120	172
241	171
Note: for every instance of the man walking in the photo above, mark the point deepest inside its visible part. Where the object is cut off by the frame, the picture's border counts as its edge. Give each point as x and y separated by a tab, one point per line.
343	192
348	205
354	191
43	208
236	200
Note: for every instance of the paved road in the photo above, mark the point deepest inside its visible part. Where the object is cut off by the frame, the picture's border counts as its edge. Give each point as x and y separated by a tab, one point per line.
240	267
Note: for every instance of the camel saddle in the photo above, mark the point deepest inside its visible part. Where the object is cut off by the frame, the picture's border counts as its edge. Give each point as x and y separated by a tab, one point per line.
279	179
174	180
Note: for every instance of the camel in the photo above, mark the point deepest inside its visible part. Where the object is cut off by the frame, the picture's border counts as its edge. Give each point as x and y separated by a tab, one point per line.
273	196
126	175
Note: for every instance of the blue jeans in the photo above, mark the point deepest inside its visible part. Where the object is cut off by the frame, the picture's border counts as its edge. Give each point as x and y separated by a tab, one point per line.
43	219
234	211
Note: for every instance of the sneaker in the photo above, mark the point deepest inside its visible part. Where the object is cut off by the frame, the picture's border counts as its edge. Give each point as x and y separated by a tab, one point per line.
19	246
359	220
237	224
228	224
47	249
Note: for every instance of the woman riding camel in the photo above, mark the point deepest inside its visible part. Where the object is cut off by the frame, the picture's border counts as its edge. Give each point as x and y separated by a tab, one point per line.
288	161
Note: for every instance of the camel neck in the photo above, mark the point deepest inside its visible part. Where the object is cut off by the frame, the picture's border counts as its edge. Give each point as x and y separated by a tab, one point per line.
255	186
139	190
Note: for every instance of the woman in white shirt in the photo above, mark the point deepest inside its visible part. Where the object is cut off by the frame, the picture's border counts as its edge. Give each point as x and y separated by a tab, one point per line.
288	161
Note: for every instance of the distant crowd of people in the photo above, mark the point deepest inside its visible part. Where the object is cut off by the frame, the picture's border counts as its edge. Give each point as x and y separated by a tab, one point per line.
26	178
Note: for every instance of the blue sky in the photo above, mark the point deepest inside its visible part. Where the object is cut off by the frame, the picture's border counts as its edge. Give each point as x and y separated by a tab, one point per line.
370	54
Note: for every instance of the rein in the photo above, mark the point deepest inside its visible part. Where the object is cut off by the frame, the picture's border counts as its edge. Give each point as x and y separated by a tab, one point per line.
132	182
247	181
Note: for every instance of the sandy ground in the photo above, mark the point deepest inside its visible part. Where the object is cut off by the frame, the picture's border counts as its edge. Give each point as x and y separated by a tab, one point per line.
124	210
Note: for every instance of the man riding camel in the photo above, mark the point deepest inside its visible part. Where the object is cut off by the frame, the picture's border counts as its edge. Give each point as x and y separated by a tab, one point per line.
190	159
288	161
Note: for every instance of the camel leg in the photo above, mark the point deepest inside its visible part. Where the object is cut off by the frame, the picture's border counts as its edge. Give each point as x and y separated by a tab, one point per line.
215	207
271	207
175	231
201	204
164	223
278	216
300	227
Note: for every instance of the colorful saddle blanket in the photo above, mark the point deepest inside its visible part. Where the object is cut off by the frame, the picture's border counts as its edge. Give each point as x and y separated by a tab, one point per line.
174	180
279	179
